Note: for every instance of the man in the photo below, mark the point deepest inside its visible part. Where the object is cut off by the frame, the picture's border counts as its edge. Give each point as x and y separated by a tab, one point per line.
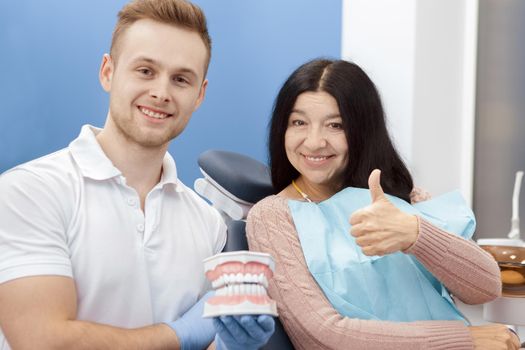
101	245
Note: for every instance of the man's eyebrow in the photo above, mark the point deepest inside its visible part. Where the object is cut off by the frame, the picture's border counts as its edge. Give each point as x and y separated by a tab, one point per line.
188	71
144	59
156	63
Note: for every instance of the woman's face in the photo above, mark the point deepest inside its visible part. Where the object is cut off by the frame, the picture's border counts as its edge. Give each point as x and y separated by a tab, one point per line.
315	140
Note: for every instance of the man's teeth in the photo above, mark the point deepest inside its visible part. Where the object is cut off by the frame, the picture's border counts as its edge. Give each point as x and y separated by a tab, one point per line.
152	114
316	159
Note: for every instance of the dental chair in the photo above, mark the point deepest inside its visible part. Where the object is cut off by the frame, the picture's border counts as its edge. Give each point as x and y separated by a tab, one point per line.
233	183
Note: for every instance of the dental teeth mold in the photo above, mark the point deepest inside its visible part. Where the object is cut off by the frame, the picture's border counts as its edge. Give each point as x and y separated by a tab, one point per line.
240	280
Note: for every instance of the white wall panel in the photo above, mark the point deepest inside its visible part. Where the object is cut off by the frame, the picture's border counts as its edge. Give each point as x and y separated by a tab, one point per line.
421	55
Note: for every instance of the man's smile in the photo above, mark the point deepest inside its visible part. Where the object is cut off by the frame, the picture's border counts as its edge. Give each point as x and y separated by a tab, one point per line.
154	113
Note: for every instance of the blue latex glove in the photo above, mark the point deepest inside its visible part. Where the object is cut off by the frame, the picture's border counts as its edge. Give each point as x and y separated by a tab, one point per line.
194	331
245	332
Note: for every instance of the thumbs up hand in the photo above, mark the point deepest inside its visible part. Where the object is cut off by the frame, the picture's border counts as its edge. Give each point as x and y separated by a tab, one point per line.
381	228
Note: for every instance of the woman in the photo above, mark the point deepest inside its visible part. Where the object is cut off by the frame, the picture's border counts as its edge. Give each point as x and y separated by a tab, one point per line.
327	137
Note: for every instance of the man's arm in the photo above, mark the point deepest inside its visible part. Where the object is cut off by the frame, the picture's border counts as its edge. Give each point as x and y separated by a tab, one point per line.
40	313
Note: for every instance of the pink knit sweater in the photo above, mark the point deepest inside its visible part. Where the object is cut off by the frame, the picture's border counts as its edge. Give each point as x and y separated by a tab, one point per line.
469	273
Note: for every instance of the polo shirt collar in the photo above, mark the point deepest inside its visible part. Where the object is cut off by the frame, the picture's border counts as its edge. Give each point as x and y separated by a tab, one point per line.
169	173
93	162
90	157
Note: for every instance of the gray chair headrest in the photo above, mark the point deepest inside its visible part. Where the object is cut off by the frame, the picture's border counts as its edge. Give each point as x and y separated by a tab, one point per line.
242	176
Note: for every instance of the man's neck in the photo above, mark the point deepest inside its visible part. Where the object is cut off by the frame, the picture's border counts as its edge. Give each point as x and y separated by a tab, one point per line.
141	166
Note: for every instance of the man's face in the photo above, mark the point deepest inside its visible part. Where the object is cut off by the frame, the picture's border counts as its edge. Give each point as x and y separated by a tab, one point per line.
155	83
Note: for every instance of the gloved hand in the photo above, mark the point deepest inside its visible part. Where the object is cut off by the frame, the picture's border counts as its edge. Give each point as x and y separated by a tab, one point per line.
244	332
194	331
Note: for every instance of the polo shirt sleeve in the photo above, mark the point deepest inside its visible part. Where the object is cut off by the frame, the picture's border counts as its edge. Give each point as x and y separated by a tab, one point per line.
220	232
33	225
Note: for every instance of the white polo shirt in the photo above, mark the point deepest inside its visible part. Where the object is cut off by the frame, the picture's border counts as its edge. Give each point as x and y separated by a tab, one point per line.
71	213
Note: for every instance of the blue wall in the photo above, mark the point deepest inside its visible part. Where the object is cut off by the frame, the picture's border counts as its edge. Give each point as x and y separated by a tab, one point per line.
51	51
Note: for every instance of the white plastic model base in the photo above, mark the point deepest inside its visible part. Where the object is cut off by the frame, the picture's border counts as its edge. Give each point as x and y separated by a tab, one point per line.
501	242
505	309
240	280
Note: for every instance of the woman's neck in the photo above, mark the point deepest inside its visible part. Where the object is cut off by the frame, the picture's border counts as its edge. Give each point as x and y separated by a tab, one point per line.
312	192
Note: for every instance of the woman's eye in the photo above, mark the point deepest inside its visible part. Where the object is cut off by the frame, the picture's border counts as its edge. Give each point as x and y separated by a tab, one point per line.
336	125
298	122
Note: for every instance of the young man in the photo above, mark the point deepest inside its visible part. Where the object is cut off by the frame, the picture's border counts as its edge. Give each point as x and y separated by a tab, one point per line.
101	245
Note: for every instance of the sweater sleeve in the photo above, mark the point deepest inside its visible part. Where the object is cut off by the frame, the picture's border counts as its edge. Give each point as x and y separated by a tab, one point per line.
469	273
308	317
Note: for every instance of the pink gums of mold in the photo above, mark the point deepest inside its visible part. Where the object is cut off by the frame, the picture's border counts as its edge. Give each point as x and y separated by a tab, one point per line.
235	267
237	299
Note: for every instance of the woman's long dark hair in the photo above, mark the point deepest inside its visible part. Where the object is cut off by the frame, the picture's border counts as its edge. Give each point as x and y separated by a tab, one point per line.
369	145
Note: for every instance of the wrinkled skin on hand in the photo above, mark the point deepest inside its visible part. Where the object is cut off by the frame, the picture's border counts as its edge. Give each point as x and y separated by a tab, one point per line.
494	337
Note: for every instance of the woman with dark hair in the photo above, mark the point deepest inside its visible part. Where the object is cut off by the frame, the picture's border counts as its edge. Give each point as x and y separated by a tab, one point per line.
363	259
363	124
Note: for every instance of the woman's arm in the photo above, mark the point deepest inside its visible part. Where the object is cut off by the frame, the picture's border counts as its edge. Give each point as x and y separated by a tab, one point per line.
309	319
468	272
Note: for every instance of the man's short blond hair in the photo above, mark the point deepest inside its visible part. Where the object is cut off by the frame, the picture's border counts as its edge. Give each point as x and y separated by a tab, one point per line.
179	13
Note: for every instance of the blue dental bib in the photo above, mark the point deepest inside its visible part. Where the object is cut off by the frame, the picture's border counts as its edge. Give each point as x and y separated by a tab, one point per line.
394	287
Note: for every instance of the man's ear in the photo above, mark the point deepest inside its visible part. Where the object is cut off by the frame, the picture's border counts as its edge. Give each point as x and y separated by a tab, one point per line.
202	94
105	74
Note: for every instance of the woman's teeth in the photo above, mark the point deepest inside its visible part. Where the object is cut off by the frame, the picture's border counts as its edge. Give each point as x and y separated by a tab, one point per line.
316	159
